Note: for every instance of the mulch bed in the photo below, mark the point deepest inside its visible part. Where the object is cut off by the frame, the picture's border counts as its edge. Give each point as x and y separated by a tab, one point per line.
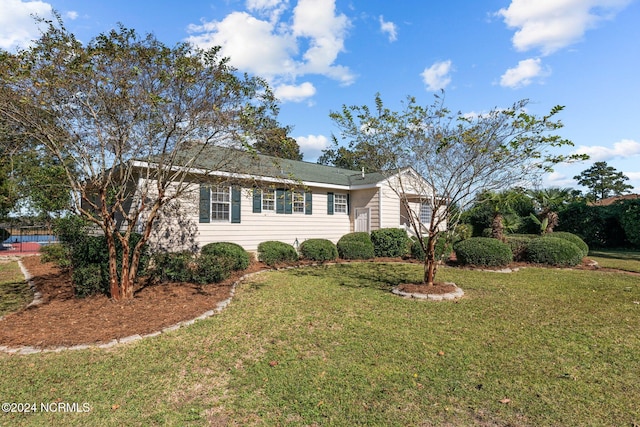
63	320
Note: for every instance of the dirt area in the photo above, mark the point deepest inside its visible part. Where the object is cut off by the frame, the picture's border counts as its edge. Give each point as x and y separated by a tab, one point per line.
63	320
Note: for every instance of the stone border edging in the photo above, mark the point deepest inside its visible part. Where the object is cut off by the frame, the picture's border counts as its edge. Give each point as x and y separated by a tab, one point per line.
458	293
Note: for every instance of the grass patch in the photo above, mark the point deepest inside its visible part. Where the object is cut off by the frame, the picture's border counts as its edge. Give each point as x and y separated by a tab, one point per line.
618	259
331	346
14	290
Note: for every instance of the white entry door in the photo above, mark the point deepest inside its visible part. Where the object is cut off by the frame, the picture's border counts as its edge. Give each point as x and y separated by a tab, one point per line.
362	219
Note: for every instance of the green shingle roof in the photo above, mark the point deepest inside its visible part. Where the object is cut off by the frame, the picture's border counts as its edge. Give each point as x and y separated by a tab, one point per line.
214	158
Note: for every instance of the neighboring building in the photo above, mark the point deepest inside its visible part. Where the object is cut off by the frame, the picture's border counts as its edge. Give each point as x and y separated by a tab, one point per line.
249	198
611	200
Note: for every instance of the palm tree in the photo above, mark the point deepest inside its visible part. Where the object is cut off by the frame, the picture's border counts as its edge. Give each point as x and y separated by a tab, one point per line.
547	203
502	205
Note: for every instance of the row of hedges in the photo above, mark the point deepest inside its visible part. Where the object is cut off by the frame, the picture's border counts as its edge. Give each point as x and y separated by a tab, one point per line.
558	249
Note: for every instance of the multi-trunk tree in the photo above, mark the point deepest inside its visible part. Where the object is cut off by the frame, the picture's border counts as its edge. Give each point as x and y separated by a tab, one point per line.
125	117
457	155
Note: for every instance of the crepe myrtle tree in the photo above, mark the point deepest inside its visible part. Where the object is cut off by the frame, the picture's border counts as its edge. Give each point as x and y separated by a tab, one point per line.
448	158
124	110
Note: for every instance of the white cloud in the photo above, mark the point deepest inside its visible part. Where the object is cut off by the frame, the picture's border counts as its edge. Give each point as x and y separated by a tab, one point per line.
622	149
17	27
72	14
275	48
389	28
295	93
524	73
312	145
437	76
633	176
550	25
556	179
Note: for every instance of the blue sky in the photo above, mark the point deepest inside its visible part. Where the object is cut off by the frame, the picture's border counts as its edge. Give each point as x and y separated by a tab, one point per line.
321	54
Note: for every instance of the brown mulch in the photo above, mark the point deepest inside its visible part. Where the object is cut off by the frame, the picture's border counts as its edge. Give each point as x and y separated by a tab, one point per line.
63	320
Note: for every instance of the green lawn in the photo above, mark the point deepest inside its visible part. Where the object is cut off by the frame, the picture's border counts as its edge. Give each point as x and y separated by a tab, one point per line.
331	346
618	259
14	290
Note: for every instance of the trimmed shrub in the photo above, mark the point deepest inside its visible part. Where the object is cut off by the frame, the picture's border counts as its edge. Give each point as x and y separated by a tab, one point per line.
518	245
483	251
173	266
630	220
89	280
231	250
553	251
212	269
443	249
390	242
319	250
356	246
56	253
576	240
273	252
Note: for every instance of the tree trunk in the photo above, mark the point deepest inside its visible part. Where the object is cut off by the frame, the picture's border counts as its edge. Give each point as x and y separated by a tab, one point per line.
552	221
430	262
497	227
114	286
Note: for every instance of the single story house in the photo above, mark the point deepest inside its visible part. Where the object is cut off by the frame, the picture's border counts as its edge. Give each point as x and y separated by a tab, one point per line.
248	198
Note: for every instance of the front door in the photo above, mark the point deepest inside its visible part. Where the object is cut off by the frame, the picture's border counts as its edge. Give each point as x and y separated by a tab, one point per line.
362	219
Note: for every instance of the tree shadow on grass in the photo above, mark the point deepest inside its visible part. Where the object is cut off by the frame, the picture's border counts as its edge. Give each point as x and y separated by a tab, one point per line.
379	276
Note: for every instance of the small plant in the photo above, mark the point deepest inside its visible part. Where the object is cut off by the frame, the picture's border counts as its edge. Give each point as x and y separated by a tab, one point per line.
319	250
576	240
553	251
172	266
56	253
273	252
483	251
89	280
390	242
241	258
212	269
356	246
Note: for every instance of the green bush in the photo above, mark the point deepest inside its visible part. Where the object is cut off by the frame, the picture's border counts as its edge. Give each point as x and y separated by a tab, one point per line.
576	240
56	253
630	220
356	246
518	245
212	268
553	251
274	252
173	266
231	250
483	251
390	242
442	250
89	280
319	250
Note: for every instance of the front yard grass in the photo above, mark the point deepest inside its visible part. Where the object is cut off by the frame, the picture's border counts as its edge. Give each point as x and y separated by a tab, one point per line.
14	290
618	259
331	346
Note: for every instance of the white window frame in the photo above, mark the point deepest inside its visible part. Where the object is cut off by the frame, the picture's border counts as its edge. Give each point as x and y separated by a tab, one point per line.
426	213
220	198
298	202
340	207
270	200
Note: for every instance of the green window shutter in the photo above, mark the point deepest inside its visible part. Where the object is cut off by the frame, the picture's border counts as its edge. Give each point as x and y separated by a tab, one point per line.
257	200
235	205
288	202
308	200
205	203
329	203
348	205
280	201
